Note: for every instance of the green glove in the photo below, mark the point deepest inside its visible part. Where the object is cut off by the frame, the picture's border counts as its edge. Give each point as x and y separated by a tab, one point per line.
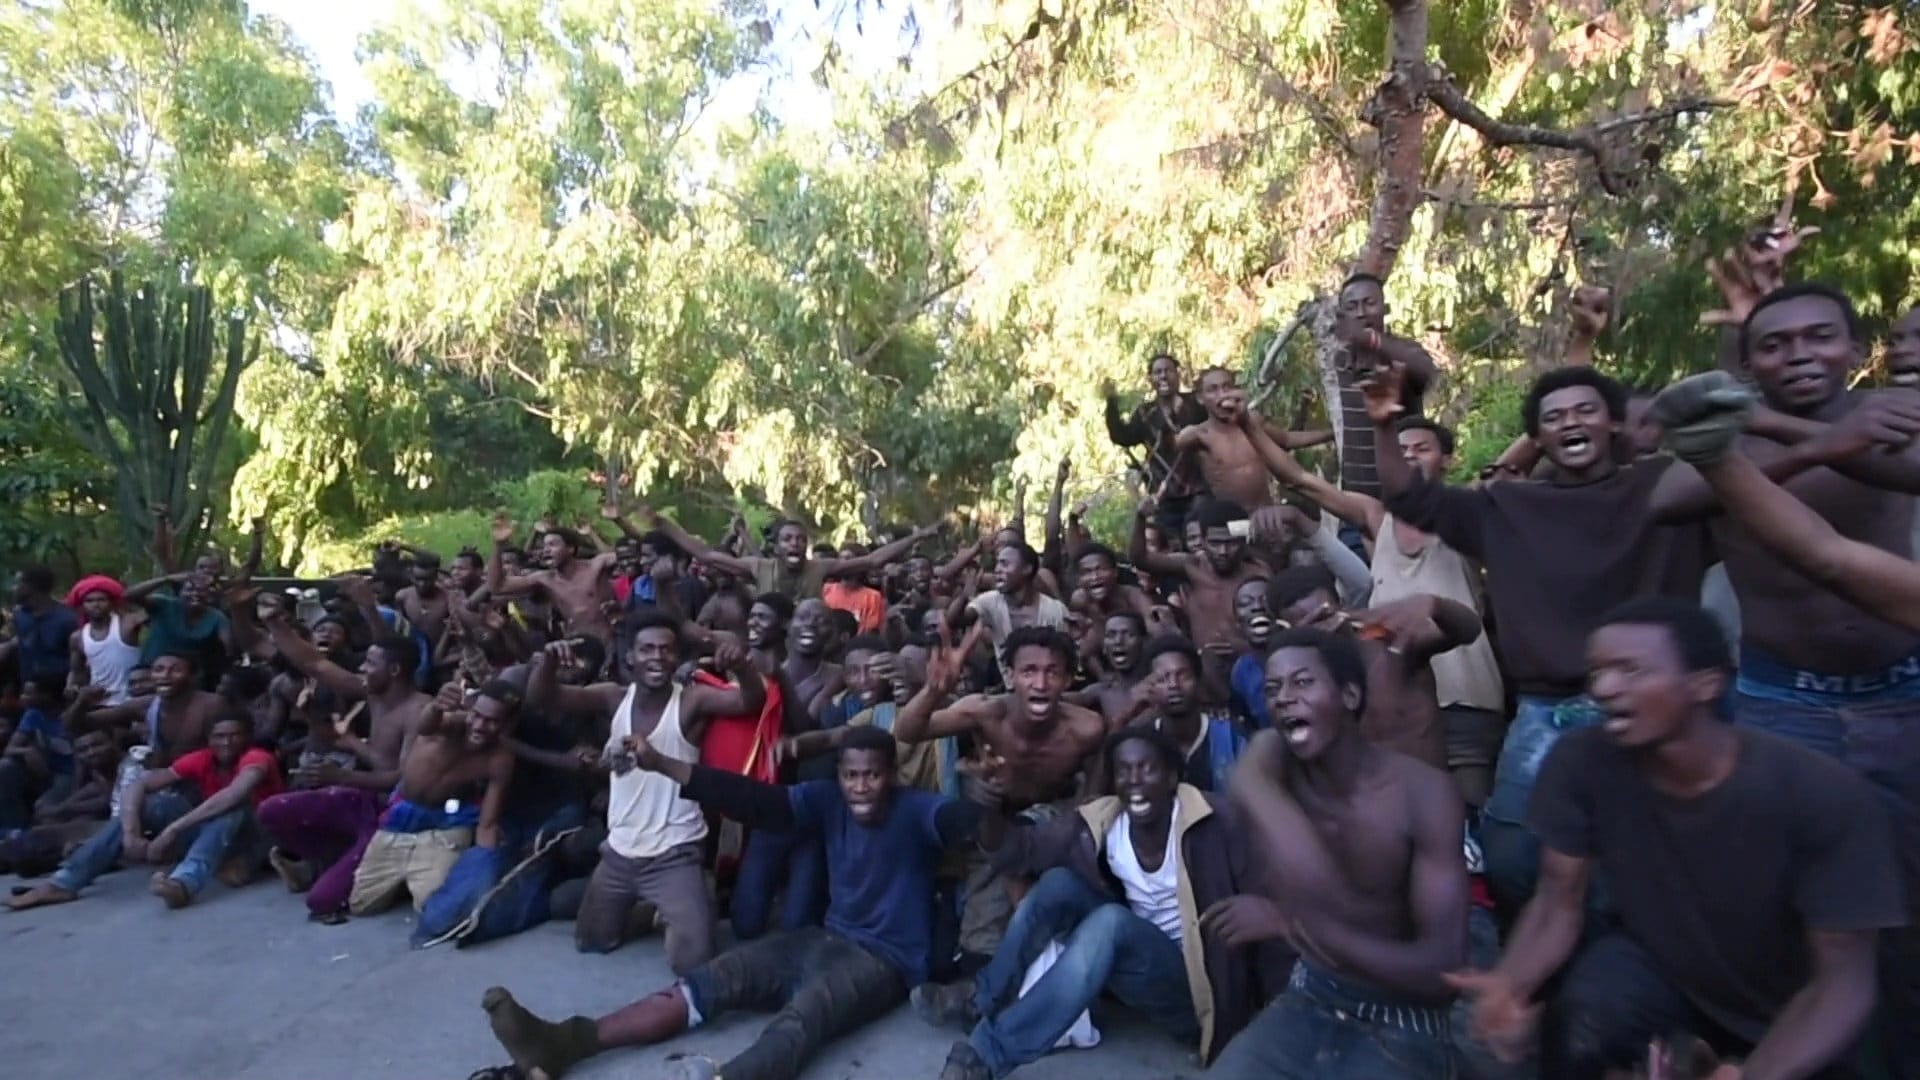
1702	416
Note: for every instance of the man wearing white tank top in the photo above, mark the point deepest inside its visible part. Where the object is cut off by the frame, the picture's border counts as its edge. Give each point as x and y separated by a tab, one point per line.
104	649
655	836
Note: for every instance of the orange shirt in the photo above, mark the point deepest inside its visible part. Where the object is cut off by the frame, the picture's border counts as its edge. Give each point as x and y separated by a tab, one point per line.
864	604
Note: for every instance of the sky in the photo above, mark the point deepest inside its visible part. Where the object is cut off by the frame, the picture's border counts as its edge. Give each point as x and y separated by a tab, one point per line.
331	29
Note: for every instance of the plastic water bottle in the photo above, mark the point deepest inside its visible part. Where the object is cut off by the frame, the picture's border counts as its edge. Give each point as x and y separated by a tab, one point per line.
132	767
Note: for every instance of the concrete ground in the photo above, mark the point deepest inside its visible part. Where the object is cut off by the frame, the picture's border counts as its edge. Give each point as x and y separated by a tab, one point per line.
240	986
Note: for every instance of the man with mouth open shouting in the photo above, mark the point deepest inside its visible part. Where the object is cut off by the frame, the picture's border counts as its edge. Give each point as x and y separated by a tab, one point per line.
1361	864
1560	553
1750	877
883	844
1124	884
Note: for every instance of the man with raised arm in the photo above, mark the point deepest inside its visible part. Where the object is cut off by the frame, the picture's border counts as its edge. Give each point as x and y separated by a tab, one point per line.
321	829
576	587
792	571
655	837
883	843
1560	552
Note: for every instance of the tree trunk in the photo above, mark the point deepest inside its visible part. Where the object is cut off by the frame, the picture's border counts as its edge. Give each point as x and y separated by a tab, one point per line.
1399	111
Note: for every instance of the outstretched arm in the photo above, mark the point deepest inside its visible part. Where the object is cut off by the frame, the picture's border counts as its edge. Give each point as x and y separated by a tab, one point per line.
695	546
1153	562
880	556
302	654
1879	581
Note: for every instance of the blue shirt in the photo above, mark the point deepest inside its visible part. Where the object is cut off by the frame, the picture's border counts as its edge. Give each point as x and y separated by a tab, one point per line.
52	737
1249	681
42	641
880	877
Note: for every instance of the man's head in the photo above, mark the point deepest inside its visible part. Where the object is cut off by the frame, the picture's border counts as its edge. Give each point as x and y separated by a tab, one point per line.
425	573
860	651
195	593
1223	533
559	548
469	570
1099	571
1903	350
589	656
1642	433
1363	304
1798	344
627	558
172	674
492	714
869	762
1655	665
1251	612
230	736
1574	414
853	575
140	681
1173	664
655	655
32	584
1220	392
97	605
513	560
1426	446
1122	641
1040	663
1014	568
96	752
811	632
1316	687
1306	595
790	544
330	634
767	621
43	691
919	575
1144	767
389	663
1163	374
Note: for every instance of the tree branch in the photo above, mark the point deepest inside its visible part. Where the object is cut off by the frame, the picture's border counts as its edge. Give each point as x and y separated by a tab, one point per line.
1586	139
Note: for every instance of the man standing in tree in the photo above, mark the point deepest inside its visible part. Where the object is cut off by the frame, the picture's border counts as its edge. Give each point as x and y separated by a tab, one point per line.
1153	424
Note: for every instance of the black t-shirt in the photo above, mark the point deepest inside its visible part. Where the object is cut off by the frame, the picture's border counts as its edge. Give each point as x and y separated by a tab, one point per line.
1559	558
1722	889
538	791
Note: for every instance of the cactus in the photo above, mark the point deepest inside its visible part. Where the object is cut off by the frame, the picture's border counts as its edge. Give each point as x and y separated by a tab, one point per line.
154	403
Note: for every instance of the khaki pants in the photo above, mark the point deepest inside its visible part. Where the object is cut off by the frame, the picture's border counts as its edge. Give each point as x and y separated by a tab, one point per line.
418	862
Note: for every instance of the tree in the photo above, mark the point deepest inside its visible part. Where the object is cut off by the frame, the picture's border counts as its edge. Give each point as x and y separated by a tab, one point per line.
157	396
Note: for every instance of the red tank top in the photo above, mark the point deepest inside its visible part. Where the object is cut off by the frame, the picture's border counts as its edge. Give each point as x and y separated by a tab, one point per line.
743	744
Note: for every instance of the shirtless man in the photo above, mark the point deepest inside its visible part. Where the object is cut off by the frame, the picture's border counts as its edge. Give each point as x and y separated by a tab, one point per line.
575	587
173	720
1120	695
1365	879
1229	462
656	839
1397	640
792	571
424	603
813	680
1043	751
1213	574
1100	595
453	785
1903	350
321	829
1813	664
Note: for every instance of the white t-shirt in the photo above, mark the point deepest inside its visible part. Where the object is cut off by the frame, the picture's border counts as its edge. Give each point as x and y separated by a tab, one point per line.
1154	897
993	610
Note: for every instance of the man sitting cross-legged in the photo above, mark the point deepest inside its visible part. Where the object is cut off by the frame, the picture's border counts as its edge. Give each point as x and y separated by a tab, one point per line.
1123	884
229	777
883	845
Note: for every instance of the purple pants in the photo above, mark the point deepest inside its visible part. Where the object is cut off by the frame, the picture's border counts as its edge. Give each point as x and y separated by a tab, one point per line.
328	827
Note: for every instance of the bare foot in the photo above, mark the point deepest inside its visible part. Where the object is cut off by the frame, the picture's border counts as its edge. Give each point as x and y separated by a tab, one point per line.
42	896
169	890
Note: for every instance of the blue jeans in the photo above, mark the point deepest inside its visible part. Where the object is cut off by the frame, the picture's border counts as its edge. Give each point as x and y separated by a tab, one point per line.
1512	851
1106	946
793	858
206	843
1327	1028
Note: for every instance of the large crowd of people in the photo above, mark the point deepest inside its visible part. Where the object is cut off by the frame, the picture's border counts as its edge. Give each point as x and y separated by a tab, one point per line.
1606	764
